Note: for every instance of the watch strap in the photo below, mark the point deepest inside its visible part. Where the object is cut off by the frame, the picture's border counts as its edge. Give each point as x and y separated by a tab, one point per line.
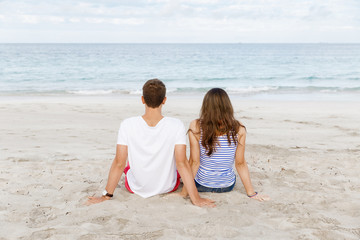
105	193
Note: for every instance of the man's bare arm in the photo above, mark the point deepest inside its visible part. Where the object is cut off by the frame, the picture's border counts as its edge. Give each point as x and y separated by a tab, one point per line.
116	170
185	172
194	159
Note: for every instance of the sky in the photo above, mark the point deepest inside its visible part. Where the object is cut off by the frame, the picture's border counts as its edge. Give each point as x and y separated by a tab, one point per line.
179	21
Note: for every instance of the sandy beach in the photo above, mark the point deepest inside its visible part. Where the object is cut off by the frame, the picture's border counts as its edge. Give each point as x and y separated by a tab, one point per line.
56	151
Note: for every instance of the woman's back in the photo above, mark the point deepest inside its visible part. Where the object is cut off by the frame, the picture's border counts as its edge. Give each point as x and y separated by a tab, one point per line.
216	170
212	157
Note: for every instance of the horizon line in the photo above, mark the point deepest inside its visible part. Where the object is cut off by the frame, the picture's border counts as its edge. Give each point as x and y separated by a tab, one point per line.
179	43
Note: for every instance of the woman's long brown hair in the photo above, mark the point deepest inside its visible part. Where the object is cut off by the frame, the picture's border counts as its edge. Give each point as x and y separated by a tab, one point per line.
217	118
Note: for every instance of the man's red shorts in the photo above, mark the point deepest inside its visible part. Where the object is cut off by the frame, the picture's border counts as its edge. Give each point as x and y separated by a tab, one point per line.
128	187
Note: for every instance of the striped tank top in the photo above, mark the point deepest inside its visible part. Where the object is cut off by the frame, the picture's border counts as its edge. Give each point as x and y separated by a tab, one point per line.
216	171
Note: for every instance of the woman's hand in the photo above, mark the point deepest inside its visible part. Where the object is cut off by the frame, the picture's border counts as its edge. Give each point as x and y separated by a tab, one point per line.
261	197
93	200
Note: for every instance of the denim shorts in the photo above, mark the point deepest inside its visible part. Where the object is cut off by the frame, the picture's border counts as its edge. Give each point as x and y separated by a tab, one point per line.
202	188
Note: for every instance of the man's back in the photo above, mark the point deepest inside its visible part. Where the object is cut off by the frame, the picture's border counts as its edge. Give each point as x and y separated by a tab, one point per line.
151	154
154	146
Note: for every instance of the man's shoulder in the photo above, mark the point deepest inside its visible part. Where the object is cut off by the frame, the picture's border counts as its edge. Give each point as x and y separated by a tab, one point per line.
130	120
174	121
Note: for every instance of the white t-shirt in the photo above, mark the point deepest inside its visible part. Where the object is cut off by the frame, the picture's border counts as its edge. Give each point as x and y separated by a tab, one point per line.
151	154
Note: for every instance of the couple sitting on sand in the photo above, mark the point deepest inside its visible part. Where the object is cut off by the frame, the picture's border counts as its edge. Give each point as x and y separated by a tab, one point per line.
155	147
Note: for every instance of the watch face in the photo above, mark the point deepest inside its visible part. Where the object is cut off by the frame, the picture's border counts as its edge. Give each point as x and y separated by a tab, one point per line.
104	192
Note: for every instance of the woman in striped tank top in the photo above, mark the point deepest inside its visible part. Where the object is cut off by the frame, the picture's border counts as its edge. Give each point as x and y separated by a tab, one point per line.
217	141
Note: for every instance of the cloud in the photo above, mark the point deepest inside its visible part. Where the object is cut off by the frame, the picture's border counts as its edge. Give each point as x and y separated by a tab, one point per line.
31	19
55	19
126	21
116	21
256	20
74	20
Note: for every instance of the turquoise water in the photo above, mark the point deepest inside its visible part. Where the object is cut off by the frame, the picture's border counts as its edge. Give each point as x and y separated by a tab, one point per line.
275	70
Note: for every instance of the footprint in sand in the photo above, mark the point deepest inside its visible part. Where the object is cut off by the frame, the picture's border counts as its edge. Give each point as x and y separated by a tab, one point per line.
42	234
101	220
151	235
121	222
40	216
206	231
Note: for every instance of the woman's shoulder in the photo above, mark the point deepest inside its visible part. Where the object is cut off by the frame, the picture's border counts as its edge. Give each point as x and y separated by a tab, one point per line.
195	125
241	132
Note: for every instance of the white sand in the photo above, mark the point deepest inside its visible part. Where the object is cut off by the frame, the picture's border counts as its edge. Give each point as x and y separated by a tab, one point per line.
55	151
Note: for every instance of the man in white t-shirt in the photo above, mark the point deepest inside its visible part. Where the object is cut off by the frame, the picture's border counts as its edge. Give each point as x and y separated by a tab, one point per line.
155	147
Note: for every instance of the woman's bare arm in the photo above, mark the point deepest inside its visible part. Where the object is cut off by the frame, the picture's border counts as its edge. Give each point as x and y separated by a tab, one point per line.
242	168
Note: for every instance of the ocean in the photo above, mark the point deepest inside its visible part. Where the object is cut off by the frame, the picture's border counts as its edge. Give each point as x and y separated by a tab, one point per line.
256	71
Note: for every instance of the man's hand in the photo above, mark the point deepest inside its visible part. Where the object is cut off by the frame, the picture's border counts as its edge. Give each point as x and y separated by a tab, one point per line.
93	200
204	202
183	194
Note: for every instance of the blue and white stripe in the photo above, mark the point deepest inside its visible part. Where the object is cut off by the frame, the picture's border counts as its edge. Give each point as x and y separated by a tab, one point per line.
216	171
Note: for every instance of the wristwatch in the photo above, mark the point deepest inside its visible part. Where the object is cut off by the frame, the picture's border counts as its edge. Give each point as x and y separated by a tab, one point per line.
105	193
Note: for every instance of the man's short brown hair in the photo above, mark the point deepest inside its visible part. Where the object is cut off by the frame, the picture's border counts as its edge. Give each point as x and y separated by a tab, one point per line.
154	92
